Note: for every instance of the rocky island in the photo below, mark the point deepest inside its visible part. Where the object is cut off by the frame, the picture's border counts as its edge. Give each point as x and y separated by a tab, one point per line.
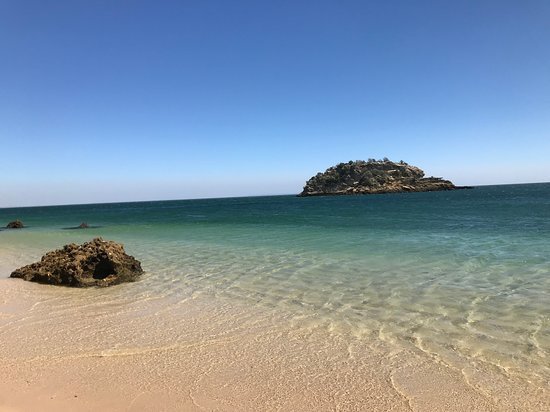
374	176
95	263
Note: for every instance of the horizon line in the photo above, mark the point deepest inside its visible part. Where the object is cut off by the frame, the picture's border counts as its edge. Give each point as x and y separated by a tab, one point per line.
214	198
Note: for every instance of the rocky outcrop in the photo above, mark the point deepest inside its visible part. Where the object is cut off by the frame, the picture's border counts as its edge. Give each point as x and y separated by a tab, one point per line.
373	176
95	263
16	224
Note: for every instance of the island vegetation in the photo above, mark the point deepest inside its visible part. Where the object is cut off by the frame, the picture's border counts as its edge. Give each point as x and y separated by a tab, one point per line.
374	176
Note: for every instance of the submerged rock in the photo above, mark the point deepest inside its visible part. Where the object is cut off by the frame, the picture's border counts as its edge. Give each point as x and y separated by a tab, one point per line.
374	176
95	263
16	224
83	225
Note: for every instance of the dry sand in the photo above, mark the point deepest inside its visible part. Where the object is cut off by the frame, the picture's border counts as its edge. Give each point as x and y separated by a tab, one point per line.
63	349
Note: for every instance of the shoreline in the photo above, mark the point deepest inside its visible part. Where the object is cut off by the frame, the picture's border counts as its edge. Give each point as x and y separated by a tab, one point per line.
204	354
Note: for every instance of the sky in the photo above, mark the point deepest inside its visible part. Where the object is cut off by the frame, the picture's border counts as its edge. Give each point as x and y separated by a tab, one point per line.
105	101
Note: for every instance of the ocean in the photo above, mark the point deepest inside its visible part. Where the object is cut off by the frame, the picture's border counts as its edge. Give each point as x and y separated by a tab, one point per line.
463	276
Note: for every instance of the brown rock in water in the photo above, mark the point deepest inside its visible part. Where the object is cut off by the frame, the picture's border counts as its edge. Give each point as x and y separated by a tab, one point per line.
16	224
374	176
95	263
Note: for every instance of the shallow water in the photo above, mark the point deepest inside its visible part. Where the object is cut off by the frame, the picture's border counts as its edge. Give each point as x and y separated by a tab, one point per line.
462	276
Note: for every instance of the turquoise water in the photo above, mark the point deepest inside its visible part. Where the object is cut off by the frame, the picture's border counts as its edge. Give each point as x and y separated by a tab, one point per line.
463	276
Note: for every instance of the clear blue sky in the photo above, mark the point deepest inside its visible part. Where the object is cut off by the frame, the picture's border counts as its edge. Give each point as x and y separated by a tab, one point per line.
136	100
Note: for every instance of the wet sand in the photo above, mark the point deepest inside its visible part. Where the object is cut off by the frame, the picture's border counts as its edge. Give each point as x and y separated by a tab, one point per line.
87	350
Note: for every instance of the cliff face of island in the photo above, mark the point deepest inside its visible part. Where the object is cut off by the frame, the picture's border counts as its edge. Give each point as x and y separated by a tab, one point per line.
373	176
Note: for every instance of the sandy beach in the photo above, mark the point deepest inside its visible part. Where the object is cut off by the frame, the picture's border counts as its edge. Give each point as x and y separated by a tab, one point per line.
83	350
